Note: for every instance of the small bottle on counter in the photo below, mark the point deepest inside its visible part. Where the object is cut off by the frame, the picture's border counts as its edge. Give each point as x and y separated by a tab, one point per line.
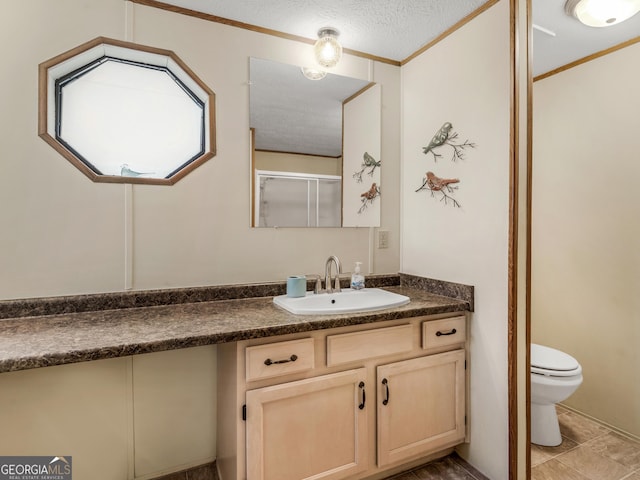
357	279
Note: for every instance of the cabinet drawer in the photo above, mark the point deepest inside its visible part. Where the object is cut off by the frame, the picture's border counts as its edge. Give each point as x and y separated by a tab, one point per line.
443	333
350	347
282	358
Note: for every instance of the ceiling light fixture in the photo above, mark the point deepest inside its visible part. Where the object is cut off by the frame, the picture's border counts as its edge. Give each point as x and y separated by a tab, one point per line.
327	49
602	13
313	73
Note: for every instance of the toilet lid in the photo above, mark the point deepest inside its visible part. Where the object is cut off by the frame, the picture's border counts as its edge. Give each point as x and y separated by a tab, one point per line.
549	361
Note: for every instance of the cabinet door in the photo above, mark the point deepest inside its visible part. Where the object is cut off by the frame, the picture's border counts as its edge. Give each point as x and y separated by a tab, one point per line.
309	429
421	406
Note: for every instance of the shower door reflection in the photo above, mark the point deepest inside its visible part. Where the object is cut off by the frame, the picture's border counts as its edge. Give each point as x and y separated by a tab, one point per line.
287	199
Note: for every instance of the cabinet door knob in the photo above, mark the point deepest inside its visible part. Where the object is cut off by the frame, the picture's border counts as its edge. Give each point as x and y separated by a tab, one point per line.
439	333
386	385
292	358
364	397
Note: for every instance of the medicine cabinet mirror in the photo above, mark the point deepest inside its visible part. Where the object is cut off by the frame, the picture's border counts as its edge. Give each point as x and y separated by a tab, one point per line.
126	113
306	145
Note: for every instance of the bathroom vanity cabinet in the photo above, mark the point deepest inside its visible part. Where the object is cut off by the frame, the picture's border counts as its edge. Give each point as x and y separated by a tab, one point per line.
345	402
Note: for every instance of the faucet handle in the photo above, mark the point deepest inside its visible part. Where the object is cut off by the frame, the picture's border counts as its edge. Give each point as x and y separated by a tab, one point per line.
336	287
318	283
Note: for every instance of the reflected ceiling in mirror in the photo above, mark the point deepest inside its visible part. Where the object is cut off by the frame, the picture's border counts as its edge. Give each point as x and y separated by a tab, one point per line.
290	113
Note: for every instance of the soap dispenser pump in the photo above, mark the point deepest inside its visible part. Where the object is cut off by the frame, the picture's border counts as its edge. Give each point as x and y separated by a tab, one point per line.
357	279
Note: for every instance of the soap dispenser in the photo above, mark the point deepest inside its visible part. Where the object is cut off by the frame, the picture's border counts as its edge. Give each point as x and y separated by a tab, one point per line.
357	279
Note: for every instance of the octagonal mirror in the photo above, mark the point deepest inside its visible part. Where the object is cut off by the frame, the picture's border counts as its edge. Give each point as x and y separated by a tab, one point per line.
122	112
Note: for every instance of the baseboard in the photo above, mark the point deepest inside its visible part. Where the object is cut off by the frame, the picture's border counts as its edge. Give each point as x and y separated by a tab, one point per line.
620	431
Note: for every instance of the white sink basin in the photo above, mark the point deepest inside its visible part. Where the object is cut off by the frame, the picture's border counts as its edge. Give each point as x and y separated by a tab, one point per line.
346	301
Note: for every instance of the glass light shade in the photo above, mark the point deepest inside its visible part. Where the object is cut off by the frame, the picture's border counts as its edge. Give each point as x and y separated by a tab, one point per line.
327	49
313	73
602	13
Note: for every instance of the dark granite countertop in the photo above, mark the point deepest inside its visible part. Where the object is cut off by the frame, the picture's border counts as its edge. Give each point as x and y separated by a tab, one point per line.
180	320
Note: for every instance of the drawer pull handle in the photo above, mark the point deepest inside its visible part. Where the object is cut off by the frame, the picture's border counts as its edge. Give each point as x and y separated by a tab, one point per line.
439	333
292	358
364	397
386	384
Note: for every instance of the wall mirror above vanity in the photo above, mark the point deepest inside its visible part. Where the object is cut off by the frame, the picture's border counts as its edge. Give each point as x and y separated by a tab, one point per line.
309	133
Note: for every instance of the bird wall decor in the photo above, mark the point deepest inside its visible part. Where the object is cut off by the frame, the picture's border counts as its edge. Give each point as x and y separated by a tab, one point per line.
446	136
368	163
445	186
369	196
125	171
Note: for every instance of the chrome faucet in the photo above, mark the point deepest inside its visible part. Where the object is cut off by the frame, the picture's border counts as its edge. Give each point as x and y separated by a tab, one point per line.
327	274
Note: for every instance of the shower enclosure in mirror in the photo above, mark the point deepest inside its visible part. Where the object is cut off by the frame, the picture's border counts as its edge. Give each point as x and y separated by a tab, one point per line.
308	138
297	199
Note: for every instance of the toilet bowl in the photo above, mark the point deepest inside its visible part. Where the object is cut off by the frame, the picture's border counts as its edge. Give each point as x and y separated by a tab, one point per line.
555	375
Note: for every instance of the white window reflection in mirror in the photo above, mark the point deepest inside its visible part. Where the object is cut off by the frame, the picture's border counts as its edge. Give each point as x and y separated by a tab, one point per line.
296	131
126	113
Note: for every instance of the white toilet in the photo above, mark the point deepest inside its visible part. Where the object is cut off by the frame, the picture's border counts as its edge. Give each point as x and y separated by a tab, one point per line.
555	375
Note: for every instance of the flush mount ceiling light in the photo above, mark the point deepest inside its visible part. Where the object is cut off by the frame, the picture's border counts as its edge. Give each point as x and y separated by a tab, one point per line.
327	49
602	13
313	73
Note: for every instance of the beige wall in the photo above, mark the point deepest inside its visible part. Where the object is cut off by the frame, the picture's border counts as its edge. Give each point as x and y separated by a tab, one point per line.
79	410
291	162
63	234
586	226
60	233
174	410
457	81
131	417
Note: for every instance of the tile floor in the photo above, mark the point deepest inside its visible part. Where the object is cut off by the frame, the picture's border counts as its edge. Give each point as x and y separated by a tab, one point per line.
589	451
203	472
451	467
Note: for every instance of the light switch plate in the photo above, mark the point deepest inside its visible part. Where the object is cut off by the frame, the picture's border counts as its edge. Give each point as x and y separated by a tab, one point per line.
383	239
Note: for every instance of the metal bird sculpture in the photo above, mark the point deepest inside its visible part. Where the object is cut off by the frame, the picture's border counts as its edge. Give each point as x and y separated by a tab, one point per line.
372	193
369	196
368	162
125	171
438	139
445	136
433	183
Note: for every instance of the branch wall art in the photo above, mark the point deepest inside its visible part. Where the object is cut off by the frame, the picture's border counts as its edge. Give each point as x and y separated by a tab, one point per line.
444	188
369	165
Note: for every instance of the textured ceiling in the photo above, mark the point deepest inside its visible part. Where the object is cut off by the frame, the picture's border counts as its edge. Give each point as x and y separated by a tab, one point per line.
395	29
572	40
292	114
384	28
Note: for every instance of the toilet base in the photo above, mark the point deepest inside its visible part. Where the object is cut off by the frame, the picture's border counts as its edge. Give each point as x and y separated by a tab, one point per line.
545	429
